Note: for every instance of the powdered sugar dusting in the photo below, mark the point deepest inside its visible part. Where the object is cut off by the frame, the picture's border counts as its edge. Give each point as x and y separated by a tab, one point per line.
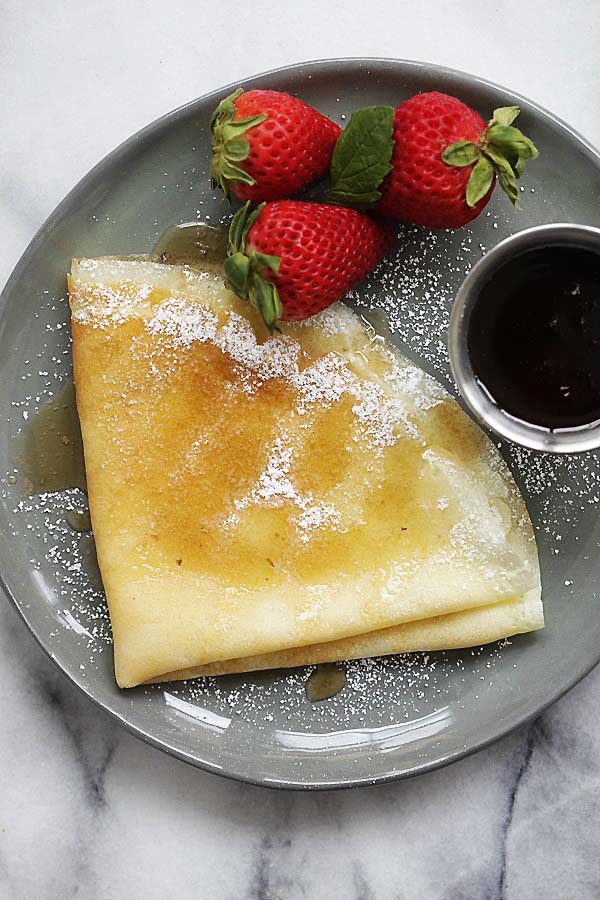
76	587
390	690
107	305
184	322
415	288
274	488
323	380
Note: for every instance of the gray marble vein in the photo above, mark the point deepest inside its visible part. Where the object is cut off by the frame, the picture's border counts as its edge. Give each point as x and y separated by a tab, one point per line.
86	811
553	838
520	770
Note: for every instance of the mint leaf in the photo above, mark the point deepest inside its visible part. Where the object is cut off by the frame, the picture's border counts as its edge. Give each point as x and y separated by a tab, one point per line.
361	158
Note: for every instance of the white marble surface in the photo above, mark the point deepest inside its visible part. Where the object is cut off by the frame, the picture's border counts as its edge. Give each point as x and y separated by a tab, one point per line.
87	811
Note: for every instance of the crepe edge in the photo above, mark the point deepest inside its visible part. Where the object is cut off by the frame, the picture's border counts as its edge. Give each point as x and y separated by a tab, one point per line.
468	628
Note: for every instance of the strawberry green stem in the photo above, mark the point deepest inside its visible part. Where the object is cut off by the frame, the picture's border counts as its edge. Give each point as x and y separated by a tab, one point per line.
502	151
248	271
229	146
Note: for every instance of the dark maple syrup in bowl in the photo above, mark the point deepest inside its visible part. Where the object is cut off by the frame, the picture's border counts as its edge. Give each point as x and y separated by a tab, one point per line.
534	337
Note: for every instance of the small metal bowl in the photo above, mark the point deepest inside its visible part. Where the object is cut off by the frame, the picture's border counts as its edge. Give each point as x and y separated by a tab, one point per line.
573	439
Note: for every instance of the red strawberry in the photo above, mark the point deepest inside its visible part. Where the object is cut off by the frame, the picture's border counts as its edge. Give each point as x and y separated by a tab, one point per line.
268	145
445	161
293	259
431	161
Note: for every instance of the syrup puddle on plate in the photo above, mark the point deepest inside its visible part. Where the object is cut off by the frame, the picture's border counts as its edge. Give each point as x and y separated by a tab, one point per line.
49	452
193	244
327	680
79	520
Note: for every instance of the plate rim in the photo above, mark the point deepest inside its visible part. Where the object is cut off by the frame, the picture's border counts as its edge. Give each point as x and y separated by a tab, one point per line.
151	130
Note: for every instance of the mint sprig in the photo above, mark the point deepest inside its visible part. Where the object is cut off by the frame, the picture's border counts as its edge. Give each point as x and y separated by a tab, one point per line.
361	158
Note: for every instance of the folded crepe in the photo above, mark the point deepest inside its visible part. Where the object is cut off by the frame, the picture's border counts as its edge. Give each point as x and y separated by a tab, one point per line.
268	501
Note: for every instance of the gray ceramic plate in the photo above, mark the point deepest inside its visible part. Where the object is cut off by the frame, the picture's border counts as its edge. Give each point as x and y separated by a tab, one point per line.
398	716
